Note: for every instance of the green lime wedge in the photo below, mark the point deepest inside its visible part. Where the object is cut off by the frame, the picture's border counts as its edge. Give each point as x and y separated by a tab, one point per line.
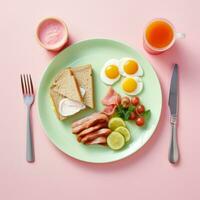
115	140
115	122
125	132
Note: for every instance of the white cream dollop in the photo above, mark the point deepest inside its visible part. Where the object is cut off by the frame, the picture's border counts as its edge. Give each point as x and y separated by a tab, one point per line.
82	90
68	107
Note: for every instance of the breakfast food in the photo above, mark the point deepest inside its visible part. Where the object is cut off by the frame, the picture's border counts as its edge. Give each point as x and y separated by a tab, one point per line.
115	140
110	72
111	101
125	102
81	121
159	33
96	119
65	84
104	132
130	67
132	85
100	140
125	132
84	79
124	108
99	129
68	107
127	67
92	129
120	134
116	122
55	100
62	84
108	127
72	90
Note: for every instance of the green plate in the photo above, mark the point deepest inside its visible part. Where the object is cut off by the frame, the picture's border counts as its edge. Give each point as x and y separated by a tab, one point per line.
97	52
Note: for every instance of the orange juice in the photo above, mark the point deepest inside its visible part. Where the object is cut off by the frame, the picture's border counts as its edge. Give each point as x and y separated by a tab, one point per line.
159	34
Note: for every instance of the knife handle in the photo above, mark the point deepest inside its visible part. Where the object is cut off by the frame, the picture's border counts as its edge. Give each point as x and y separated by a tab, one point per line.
173	149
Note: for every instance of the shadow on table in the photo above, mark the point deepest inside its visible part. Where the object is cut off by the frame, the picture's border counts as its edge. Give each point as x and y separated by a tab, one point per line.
180	54
52	54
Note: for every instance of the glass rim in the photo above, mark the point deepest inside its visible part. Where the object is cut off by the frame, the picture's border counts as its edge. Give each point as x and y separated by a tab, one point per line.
164	48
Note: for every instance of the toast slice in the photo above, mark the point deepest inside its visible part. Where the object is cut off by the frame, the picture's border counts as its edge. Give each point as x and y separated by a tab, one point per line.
66	85
84	79
55	100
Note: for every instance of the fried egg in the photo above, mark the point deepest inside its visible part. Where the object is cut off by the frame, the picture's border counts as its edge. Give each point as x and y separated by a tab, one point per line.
132	85
129	67
110	72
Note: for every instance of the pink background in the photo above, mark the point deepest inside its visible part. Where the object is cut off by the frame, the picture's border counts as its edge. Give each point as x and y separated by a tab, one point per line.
145	175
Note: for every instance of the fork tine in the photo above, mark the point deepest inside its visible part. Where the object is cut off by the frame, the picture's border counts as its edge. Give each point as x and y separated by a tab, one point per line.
22	84
25	85
31	83
28	85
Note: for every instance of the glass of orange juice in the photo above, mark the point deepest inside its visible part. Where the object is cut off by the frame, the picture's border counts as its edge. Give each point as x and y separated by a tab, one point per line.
159	36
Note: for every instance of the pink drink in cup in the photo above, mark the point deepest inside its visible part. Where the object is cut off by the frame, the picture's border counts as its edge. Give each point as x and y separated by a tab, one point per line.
52	34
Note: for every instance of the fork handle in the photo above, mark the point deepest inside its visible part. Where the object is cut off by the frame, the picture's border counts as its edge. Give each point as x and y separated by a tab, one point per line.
29	138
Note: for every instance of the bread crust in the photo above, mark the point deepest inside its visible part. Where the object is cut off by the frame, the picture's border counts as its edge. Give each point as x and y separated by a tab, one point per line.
80	76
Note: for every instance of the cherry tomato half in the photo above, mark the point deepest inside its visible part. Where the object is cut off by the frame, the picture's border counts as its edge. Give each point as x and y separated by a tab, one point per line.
135	101
140	121
140	109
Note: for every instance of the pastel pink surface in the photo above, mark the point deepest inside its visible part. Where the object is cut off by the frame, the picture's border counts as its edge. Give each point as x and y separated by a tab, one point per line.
145	175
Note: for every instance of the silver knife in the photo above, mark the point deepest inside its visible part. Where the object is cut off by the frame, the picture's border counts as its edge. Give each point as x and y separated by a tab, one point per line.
173	105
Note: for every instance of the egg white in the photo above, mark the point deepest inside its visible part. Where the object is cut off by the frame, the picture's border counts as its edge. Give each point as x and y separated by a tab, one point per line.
122	61
103	76
137	90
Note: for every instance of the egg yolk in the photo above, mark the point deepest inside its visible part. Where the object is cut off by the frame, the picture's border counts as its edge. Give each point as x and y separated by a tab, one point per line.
112	71
130	67
129	85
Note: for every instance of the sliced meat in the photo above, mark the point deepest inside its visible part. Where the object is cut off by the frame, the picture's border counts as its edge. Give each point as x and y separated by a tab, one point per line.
81	121
109	110
92	136
90	130
118	99
99	140
97	119
111	98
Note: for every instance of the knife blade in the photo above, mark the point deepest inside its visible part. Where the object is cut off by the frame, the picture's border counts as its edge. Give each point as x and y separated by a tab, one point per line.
173	106
173	94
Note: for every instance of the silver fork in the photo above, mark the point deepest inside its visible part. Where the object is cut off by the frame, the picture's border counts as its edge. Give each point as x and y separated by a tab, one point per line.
28	95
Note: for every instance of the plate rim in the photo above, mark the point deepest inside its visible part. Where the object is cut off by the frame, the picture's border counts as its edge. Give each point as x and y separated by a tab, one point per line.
39	89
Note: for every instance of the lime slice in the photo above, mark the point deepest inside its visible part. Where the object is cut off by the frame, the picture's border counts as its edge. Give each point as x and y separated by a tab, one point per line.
115	140
115	122
125	132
